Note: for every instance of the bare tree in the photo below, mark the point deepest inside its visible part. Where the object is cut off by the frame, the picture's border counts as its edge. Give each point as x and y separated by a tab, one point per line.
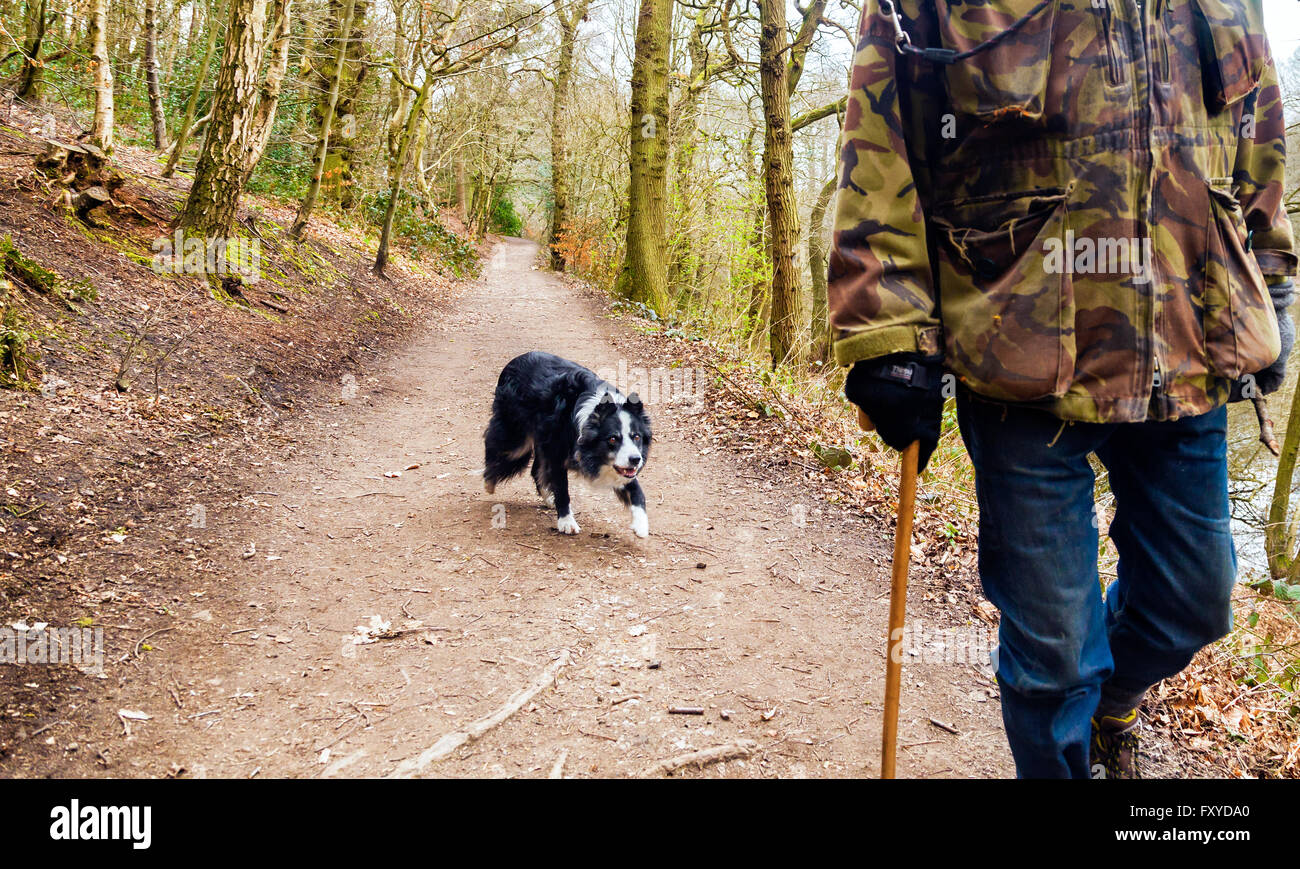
437	57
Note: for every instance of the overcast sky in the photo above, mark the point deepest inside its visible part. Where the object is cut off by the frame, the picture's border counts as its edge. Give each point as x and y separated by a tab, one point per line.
1282	21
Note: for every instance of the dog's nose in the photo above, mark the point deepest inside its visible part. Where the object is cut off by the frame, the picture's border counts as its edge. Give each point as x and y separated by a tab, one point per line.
634	459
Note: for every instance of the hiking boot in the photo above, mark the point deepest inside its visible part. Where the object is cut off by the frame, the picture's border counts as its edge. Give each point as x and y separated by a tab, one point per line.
1114	750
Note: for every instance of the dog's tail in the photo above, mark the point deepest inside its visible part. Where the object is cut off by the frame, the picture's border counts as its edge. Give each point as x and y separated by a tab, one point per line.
504	456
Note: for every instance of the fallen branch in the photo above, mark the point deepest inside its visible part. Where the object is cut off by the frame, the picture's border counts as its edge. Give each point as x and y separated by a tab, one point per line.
450	742
727	751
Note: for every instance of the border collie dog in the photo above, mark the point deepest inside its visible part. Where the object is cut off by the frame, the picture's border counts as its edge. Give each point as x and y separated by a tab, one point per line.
564	418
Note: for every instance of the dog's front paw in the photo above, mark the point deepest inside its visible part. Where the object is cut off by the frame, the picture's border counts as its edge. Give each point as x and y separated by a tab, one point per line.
567	525
640	523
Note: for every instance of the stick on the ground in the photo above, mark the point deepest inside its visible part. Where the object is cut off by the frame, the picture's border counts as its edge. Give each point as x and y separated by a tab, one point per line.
450	742
727	751
557	771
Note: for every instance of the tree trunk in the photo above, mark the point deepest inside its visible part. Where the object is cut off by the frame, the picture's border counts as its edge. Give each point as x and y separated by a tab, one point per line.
682	259
644	275
559	148
268	98
191	105
355	70
156	113
819	326
168	69
323	142
422	132
400	96
102	126
778	178
1279	543
29	86
395	182
462	187
213	203
342	50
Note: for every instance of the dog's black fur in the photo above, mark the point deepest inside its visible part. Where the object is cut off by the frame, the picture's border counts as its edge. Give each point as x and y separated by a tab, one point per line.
562	417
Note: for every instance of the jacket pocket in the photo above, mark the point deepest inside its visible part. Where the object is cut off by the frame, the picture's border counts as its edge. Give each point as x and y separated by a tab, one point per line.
1231	48
1115	69
1241	332
1007	308
1009	78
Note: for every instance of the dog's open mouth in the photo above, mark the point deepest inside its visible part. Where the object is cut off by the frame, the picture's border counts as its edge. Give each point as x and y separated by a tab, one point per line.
625	472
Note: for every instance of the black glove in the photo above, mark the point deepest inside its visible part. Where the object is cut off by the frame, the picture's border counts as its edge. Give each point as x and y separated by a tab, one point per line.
903	395
1270	379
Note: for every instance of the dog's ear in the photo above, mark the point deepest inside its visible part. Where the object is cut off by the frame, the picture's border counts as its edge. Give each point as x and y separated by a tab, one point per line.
603	408
636	408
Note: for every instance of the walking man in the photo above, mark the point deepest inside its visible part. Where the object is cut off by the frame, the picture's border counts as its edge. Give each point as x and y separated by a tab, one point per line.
1075	209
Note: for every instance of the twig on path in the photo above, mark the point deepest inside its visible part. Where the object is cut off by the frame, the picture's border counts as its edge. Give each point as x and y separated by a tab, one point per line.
394	633
140	642
450	742
538	548
948	727
557	771
367	495
598	735
38	731
687	543
727	751
253	392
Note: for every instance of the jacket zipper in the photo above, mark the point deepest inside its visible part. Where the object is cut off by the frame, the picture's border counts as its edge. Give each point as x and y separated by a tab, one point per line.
1114	71
1153	284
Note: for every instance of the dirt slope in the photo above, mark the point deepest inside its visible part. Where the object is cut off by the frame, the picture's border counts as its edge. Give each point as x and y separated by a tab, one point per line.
773	627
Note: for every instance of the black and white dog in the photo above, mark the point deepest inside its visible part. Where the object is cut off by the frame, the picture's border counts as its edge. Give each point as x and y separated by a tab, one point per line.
563	417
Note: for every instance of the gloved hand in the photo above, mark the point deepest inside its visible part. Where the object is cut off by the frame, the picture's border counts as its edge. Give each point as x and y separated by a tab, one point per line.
902	394
1270	379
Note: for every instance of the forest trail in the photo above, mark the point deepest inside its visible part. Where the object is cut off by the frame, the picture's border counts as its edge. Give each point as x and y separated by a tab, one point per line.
774	628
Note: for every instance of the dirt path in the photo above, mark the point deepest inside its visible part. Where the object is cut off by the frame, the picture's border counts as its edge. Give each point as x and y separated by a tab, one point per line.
774	629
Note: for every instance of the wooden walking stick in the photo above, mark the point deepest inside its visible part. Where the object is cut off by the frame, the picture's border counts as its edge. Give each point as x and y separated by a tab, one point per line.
897	600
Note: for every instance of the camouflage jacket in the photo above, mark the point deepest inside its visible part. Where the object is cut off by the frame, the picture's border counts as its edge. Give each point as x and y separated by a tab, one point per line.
1083	215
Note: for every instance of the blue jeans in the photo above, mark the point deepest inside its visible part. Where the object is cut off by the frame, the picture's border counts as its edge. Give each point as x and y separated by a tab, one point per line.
1060	642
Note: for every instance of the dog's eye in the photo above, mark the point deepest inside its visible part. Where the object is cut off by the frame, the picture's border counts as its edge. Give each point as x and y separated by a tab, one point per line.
613	441
636	438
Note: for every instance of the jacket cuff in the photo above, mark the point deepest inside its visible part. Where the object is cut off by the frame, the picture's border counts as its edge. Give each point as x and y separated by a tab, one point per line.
1275	263
923	338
